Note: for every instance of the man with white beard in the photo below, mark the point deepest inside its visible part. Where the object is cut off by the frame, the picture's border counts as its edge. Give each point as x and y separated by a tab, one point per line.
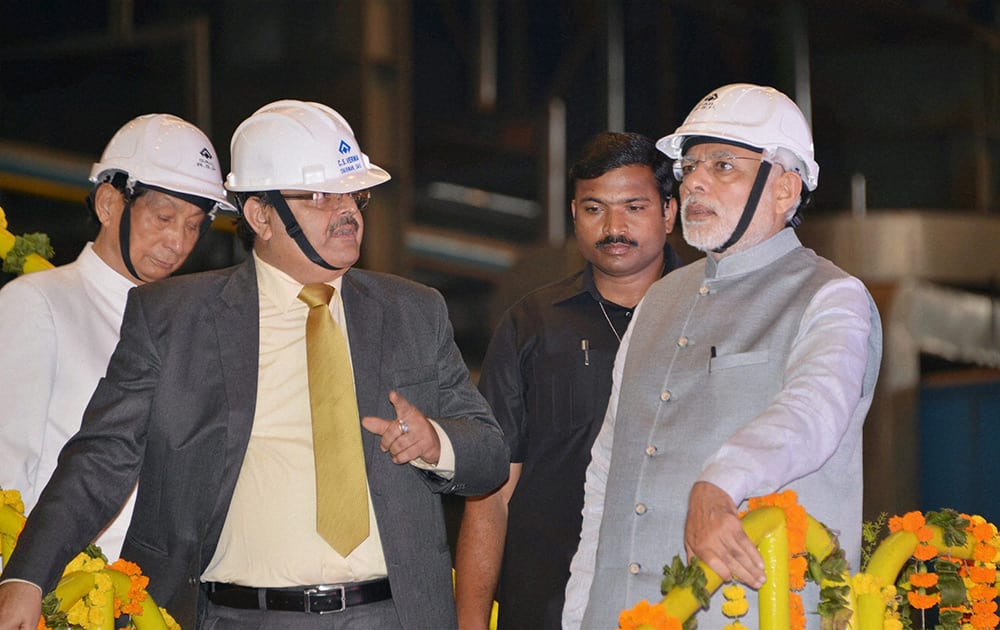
745	373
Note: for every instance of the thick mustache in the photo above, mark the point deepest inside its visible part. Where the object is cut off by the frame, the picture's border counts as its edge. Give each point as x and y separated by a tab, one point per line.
611	240
348	220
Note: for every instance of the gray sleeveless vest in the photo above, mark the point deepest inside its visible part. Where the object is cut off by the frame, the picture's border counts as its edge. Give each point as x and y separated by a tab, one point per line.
708	354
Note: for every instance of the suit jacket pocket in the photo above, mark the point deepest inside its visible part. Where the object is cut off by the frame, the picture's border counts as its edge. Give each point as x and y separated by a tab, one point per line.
741	359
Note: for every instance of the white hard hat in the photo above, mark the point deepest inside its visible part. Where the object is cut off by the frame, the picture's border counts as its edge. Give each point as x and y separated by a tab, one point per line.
167	152
753	115
302	146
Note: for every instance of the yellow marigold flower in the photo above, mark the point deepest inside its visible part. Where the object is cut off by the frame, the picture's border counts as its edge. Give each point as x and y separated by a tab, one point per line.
78	615
735	608
892	623
13	499
864	584
76	564
169	621
96	617
888	594
736	625
733	591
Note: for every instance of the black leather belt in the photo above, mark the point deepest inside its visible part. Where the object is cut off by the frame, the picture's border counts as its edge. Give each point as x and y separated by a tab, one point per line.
322	598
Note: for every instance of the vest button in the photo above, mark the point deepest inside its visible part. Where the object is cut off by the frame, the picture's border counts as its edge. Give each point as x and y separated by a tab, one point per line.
640	508
703	290
651	450
634	568
665	395
682	342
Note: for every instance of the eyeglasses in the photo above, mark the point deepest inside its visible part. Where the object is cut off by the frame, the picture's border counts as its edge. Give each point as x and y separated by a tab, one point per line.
722	166
322	199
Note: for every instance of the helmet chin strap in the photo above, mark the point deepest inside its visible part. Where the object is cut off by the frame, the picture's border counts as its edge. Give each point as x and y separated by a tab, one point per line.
749	209
295	230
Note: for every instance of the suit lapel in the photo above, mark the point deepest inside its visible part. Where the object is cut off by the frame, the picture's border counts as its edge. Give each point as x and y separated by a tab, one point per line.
364	329
237	329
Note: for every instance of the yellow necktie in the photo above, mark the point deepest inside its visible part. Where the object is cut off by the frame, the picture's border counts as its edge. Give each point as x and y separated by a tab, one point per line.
341	482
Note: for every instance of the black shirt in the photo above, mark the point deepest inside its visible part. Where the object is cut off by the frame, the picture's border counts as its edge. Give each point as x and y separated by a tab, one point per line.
547	374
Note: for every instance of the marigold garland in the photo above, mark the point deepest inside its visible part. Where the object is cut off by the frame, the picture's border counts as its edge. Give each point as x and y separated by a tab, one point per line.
644	615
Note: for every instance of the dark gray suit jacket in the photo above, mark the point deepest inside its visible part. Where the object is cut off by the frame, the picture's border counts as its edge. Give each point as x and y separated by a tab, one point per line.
175	411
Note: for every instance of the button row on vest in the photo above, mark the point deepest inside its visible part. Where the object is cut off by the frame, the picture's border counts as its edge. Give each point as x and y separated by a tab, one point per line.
634	568
665	395
640	508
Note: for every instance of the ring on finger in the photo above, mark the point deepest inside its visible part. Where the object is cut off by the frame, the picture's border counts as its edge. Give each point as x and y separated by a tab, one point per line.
403	427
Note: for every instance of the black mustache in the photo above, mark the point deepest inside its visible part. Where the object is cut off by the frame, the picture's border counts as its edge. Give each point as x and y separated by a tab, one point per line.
611	240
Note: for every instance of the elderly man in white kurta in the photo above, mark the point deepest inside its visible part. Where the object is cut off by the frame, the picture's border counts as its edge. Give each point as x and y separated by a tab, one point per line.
155	190
745	373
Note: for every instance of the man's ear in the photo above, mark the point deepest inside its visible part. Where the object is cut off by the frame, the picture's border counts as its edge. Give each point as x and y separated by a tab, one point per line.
258	216
108	204
787	190
670	214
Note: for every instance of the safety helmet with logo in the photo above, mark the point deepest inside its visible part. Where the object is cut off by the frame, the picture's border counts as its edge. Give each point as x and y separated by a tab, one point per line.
298	145
165	153
758	118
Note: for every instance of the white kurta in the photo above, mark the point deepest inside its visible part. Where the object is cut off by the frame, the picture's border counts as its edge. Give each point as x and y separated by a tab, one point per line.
58	329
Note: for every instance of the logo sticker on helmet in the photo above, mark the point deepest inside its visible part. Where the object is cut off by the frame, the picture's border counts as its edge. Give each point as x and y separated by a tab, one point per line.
344	147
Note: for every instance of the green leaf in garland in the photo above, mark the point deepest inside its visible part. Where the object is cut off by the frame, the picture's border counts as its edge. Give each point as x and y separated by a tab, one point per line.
952	526
24	246
950	584
677	575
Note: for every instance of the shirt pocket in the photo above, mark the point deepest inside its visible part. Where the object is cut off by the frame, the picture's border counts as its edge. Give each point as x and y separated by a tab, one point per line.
569	392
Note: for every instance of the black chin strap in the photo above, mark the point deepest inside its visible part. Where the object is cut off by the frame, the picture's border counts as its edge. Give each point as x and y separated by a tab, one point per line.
295	231
749	209
124	230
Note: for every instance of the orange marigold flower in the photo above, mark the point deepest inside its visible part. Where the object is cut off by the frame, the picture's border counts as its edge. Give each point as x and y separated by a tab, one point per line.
797	566
924	534
41	624
921	601
983	552
923	580
983	608
796	612
646	614
126	567
984	621
983	592
895	524
982	575
924	552
912	521
982	531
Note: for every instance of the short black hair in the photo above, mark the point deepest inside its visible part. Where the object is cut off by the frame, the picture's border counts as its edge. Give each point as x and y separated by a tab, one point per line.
610	150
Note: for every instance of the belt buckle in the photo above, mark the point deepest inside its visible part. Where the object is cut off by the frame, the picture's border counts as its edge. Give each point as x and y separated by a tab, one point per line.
309	592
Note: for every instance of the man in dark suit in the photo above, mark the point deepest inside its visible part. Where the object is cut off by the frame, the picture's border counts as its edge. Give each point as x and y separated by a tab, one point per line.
206	402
